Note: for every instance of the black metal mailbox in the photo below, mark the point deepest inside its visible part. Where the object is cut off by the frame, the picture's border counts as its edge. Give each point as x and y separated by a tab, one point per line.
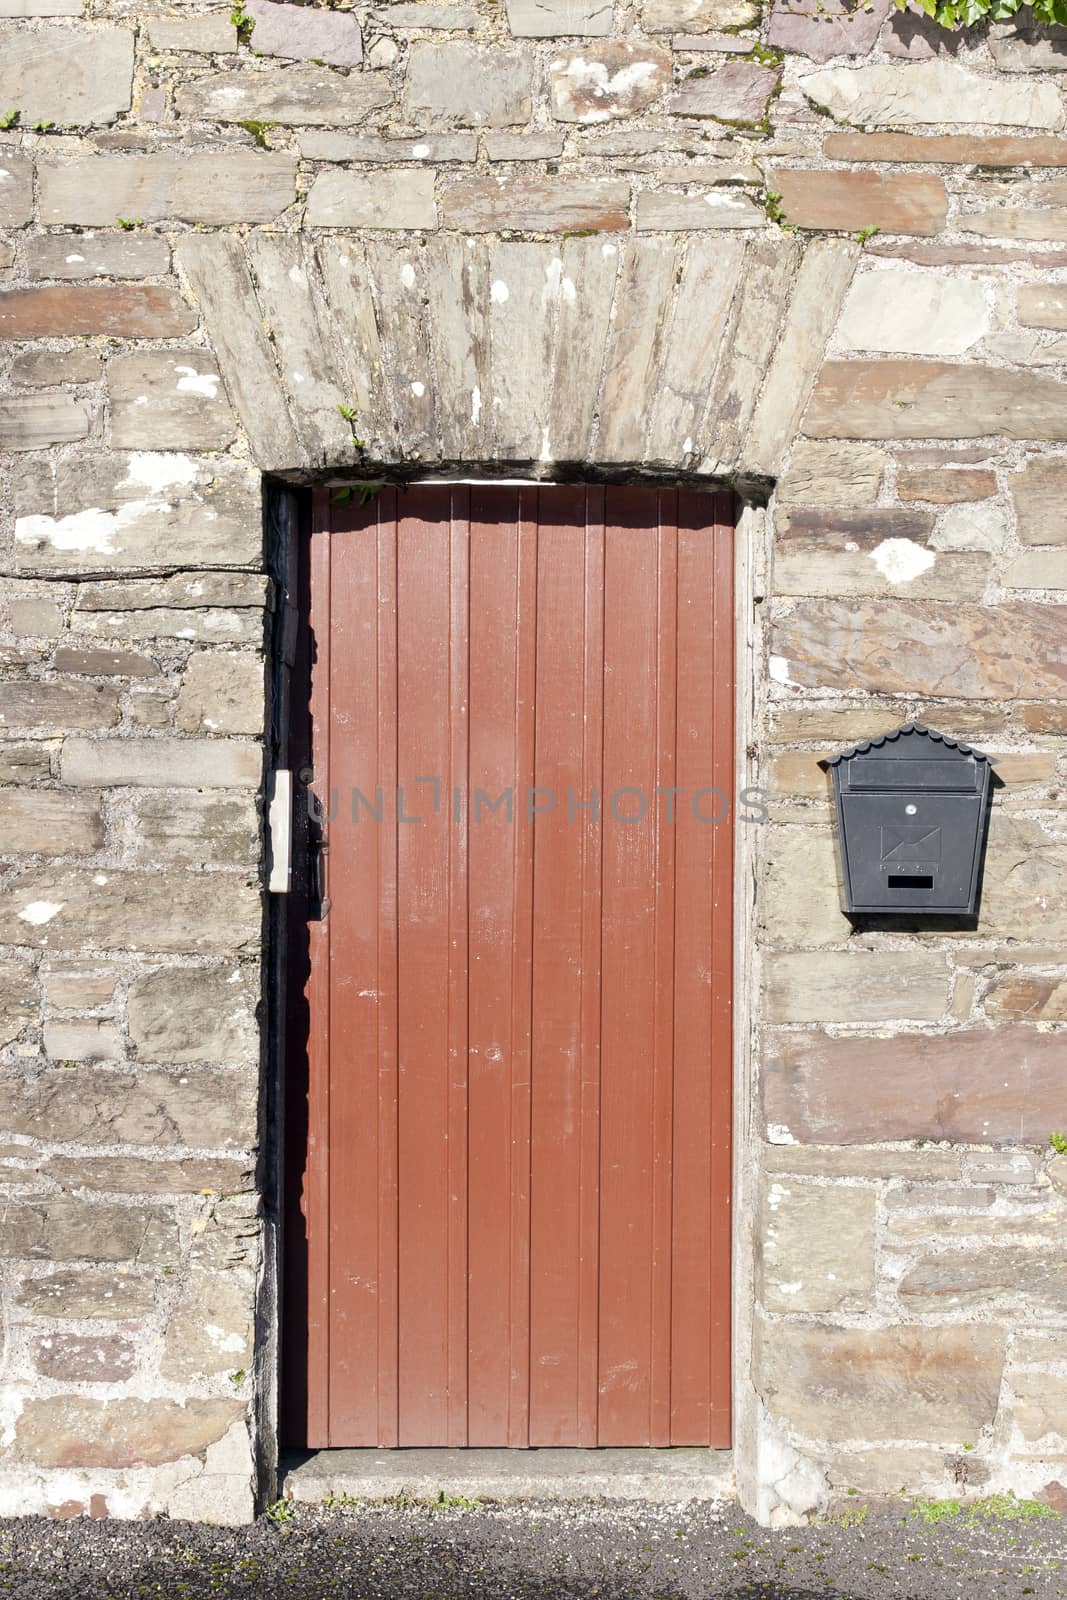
912	809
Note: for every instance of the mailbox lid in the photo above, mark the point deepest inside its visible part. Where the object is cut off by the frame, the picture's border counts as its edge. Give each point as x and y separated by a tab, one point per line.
906	772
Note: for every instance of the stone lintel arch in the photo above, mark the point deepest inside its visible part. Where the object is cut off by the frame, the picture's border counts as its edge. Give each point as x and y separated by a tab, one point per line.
682	354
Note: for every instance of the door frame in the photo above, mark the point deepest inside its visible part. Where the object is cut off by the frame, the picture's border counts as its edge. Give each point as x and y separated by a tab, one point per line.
289	524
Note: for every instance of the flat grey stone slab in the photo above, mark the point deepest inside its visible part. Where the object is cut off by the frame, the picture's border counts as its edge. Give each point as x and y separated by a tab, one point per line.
634	1474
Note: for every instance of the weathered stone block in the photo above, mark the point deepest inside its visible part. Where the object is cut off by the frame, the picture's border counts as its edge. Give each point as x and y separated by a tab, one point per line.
100	1105
222	692
912	203
880	1383
600	82
33	703
225	607
997	150
718	208
297	96
870	553
304	34
377	148
210	33
1037	569
75	76
77	987
104	663
696	16
33	422
817	1247
1028	997
84	1358
943	488
900	95
475	85
537	205
68	908
63	1228
132	1175
217	827
210	1330
994	652
88	1039
102	255
161	763
447	18
840	1161
885	1472
195	186
555	19
136	311
25	763
736	92
86	1294
973	1275
904	313
151	708
1012	223
188	1014
373	200
1042	305
18	1000
1030	49
800	902
1038	494
43	368
16	190
168	400
72	1431
820	30
87	513
858	1091
832	475
872	987
1039	1405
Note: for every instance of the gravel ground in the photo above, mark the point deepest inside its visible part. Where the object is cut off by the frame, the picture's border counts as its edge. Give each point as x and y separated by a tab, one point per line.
510	1551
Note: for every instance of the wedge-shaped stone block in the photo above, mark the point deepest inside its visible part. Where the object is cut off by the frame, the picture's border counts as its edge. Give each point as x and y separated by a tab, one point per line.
102	1105
474	85
879	1383
290	96
196	186
921	92
67	909
821	1090
934	400
73	1431
168	400
92	513
817	1247
74	76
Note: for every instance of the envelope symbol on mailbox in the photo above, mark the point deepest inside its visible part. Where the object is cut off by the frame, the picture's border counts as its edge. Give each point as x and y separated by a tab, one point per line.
907	842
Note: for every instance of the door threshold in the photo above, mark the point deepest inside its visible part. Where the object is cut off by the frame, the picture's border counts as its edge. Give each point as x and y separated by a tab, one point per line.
673	1475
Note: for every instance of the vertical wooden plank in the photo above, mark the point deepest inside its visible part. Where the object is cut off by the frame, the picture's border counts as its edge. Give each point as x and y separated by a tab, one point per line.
315	1179
592	767
555	1204
424	829
629	967
457	1066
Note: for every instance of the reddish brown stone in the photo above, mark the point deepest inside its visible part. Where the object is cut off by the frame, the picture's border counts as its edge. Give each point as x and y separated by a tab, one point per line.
994	150
82	1358
910	202
1055	1495
911	399
988	1086
1045	719
1039	493
137	311
737	92
72	1431
905	646
945	488
821	29
1042	305
1028	997
966	255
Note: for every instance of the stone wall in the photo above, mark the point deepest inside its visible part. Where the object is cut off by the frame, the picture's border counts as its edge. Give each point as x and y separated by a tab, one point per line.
678	235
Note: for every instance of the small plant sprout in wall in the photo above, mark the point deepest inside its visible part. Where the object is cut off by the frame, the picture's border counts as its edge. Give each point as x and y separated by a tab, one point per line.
9	119
43	127
1058	1141
127	224
865	234
244	24
259	131
349	414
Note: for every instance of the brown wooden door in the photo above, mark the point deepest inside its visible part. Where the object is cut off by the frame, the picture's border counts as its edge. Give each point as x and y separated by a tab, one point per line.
515	1199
